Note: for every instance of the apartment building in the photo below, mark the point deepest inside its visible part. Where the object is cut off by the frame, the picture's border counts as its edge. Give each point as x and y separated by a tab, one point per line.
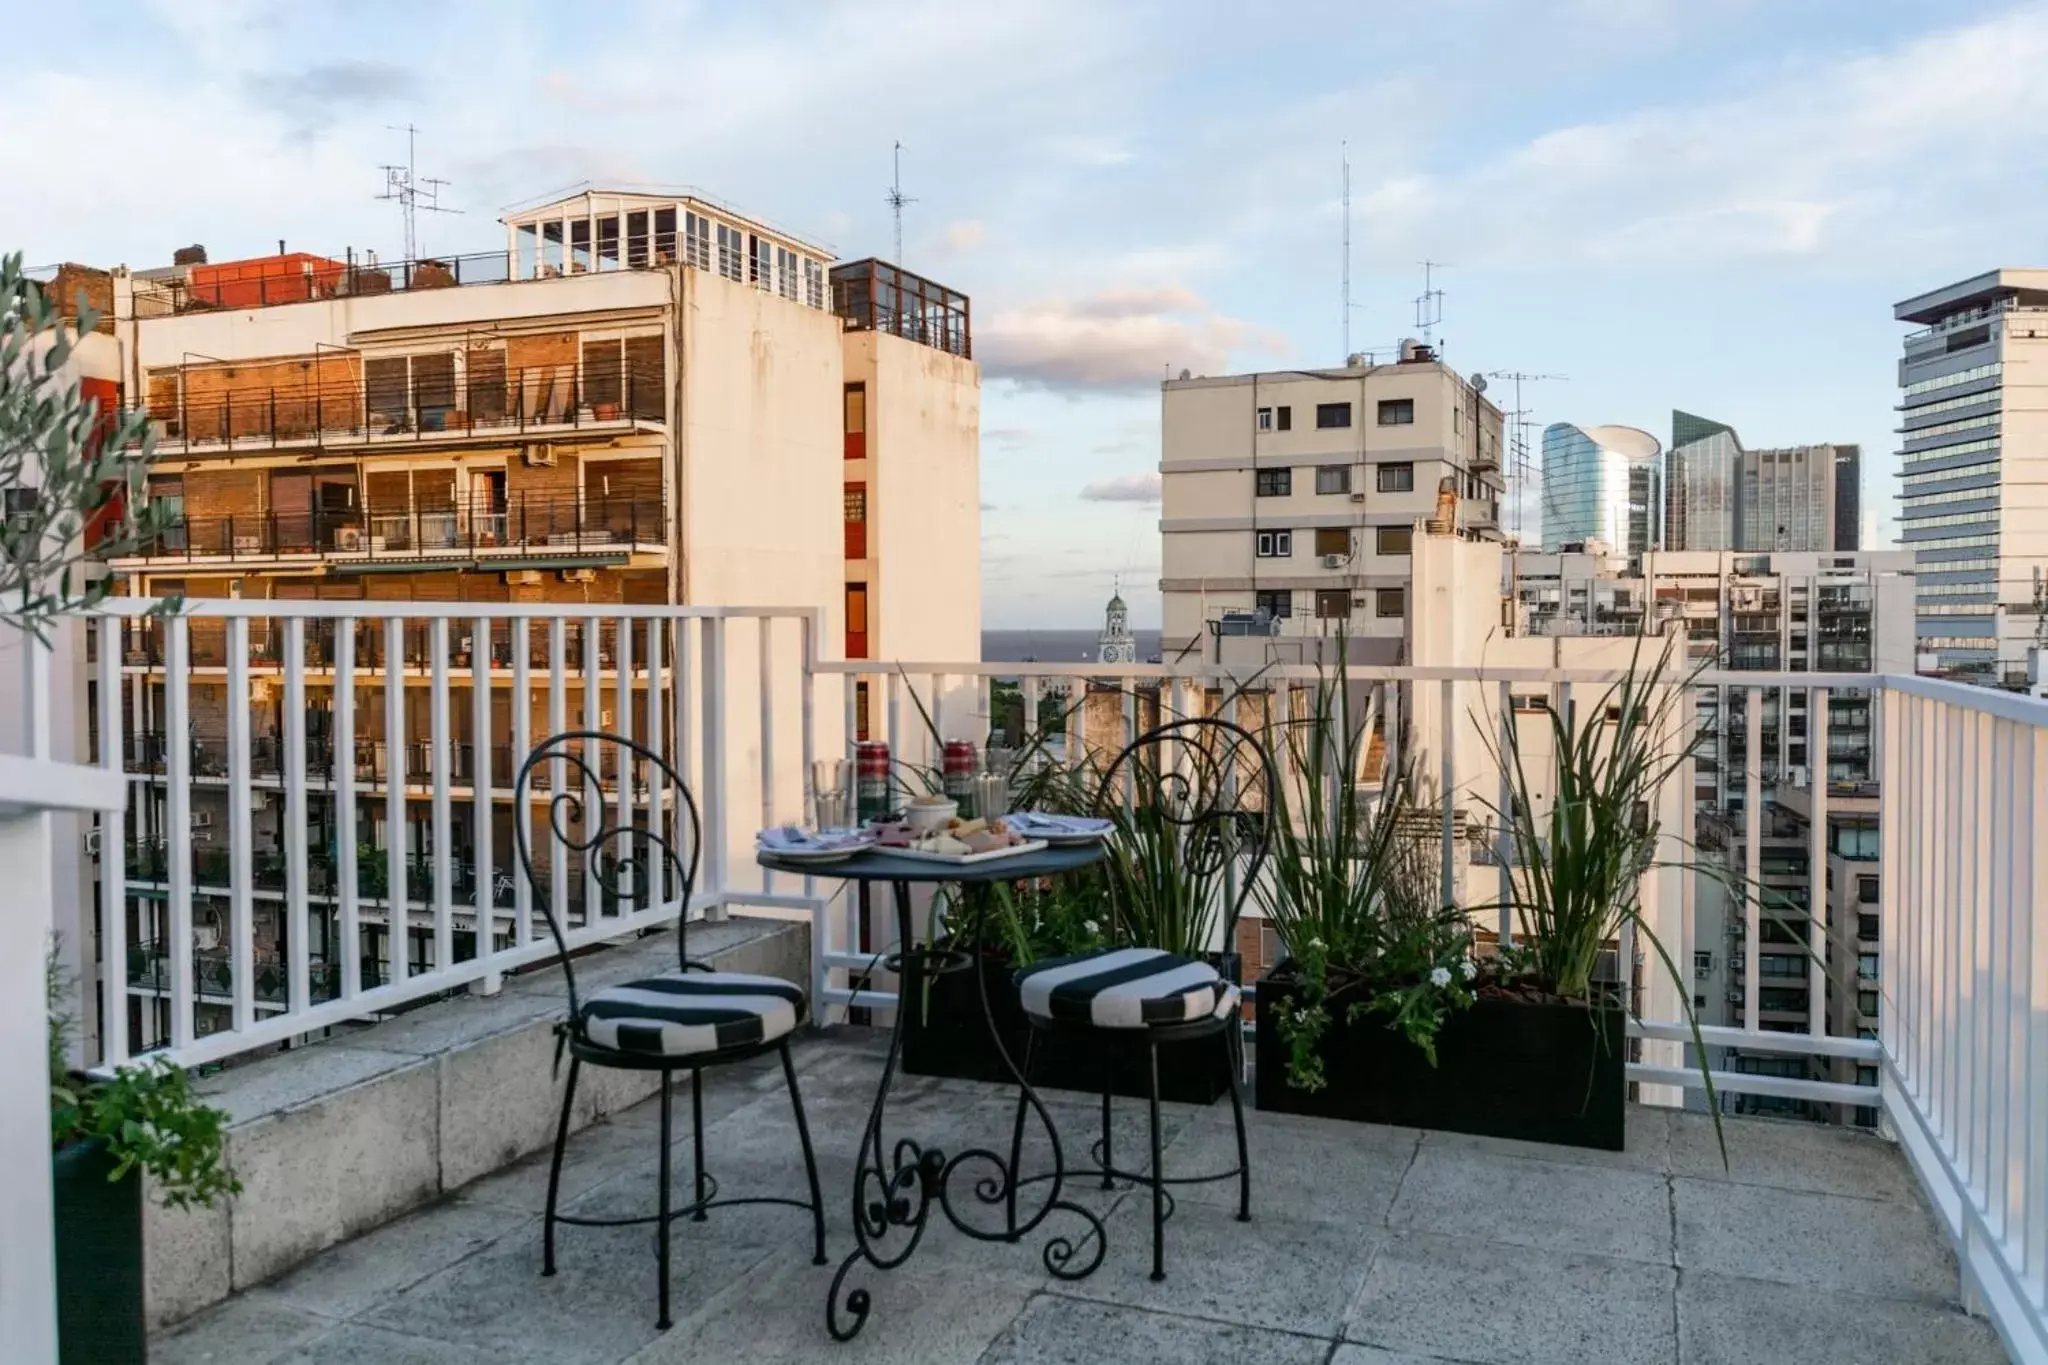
643	398
1291	499
1973	421
1722	496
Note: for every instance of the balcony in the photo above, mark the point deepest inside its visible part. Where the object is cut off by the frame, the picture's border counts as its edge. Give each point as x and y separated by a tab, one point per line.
552	531
1821	1242
416	407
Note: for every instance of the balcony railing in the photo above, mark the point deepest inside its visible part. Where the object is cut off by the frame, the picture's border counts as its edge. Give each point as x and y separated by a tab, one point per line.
520	525
497	404
266	283
1958	1069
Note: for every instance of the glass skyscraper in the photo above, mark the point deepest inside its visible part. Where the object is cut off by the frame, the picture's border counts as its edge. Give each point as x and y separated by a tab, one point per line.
1601	483
1719	496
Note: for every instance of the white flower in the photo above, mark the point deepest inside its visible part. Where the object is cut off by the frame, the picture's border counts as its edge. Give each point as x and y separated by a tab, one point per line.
1091	926
1439	976
1469	968
1314	941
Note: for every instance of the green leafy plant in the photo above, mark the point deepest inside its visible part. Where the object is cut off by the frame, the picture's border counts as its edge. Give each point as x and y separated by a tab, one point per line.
66	464
1353	895
145	1113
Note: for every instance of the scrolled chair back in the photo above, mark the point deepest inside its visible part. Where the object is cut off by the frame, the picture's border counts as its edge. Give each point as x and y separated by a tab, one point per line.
628	861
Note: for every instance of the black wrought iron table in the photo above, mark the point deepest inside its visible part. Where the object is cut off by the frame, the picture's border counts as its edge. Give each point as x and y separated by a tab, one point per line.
896	1186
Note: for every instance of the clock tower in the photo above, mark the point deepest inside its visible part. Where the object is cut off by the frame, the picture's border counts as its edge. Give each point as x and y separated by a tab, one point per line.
1117	645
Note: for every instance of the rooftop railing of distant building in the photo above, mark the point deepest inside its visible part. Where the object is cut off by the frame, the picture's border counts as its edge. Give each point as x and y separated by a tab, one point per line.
488	402
266	282
1957	1066
549	529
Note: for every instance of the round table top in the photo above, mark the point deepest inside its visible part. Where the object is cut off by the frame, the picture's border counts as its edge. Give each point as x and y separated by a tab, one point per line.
878	865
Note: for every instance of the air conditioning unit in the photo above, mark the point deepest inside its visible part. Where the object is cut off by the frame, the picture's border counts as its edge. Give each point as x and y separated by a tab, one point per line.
538	455
92	843
348	538
1358	497
1334	561
579	575
522	578
202	819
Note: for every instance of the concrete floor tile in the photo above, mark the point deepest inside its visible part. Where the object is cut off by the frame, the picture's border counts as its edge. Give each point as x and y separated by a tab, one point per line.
1824	1241
1728	1321
355	1343
1296	1173
1282	1273
1348	1354
249	1329
776	1314
1490	1302
356	1275
1055	1330
1647	1146
1466	1192
1818	1158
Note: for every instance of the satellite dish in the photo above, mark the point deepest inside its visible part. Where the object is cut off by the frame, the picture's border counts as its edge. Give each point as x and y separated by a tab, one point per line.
1479	383
1187	374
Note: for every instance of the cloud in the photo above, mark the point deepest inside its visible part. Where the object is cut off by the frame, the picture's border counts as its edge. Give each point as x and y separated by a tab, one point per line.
315	95
1123	488
1116	339
964	235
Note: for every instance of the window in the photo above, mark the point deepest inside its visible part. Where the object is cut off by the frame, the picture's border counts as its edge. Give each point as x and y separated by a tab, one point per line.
1866	966
697	238
1273	483
760	262
1333	478
856	620
665	236
1278	603
1333	540
1284	418
1397	478
1866	926
1275	544
814	282
579	246
785	273
856	521
856	421
1866	1002
1333	604
1397	412
636	237
732	252
1265	419
1702	964
1332	415
1866	890
1389	602
608	242
1395	540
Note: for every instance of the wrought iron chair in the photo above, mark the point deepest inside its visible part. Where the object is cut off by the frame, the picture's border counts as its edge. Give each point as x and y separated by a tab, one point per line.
688	1019
1187	834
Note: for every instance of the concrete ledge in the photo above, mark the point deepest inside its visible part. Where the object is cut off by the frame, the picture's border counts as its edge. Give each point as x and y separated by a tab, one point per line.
337	1137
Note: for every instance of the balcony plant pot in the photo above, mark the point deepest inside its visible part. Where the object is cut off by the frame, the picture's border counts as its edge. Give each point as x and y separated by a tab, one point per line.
945	1034
99	1258
1511	1068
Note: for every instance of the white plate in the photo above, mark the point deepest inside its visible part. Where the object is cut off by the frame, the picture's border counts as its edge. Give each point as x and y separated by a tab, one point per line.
1070	838
816	855
967	859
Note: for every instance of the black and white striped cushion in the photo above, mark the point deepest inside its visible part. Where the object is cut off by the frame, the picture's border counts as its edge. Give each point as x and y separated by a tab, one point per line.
687	1014
1125	988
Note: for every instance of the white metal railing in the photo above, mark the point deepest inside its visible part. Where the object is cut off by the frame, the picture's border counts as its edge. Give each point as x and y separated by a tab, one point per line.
392	848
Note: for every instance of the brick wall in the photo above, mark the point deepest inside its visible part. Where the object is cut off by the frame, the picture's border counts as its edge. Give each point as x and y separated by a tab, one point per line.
97	287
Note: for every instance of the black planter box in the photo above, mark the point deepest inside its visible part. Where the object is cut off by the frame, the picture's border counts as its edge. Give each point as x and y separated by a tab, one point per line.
944	1034
99	1259
1505	1068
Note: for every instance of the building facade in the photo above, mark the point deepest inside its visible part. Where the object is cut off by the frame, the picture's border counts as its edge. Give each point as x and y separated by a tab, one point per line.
643	399
1602	483
1295	497
1720	496
1973	421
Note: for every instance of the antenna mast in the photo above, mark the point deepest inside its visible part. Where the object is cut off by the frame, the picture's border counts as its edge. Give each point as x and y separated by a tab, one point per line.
1429	304
1346	146
413	192
897	199
1518	445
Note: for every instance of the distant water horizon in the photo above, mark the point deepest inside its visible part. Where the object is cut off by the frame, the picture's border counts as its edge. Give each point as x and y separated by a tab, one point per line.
1056	646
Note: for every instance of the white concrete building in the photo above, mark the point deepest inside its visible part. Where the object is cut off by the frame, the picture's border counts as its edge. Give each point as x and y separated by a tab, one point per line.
1973	408
1297	495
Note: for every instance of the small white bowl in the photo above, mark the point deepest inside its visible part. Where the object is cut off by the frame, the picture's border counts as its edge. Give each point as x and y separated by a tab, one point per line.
924	817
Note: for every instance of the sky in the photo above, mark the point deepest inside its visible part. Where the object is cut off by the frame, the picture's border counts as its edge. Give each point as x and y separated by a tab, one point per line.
1705	204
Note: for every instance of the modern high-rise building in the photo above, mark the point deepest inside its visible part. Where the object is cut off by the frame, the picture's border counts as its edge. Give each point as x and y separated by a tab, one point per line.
1290	501
1601	483
1720	496
1973	411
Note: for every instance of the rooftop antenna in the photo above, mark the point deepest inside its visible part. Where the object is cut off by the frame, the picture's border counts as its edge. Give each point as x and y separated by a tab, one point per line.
412	191
1518	446
897	199
1429	304
1345	147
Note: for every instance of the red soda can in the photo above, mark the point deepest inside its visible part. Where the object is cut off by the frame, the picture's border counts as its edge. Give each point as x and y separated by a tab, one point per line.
871	779
958	770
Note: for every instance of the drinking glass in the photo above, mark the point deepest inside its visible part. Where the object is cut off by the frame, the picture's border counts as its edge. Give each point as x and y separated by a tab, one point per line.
992	796
831	810
828	779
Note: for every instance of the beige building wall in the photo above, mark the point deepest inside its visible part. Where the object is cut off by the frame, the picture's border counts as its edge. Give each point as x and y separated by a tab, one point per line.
1410	426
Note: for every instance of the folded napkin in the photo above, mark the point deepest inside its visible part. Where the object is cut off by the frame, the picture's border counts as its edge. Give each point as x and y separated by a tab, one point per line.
1041	822
789	838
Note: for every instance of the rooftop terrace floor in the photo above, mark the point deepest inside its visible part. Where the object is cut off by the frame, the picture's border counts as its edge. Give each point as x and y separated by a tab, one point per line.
1368	1246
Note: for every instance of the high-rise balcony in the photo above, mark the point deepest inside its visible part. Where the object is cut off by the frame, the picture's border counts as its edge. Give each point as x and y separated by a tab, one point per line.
1924	1240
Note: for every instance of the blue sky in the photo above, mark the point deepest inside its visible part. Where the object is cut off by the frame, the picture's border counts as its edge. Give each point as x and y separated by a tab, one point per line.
1708	204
